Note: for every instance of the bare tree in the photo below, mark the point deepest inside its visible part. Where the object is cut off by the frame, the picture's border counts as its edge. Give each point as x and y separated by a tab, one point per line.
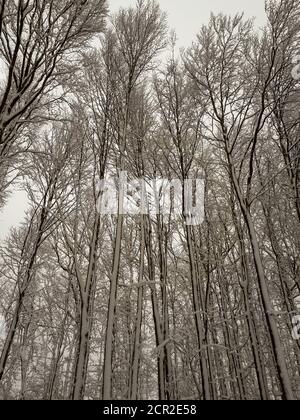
153	303
38	47
140	36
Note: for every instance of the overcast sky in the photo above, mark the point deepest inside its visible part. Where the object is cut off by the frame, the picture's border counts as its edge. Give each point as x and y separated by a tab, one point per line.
186	17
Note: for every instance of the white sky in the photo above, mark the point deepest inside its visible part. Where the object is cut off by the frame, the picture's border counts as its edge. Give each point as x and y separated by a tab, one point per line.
186	17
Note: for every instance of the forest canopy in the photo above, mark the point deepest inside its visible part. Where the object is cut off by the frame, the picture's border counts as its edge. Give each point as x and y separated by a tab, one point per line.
149	304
